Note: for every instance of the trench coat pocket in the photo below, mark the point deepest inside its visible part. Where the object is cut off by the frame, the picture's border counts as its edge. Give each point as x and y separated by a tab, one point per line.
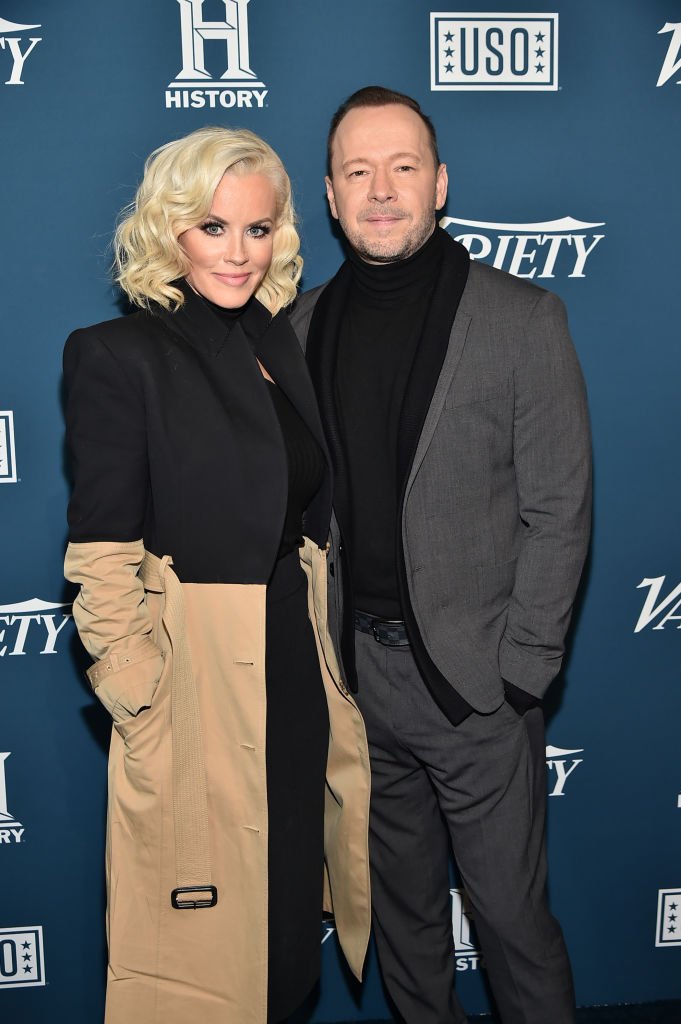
125	683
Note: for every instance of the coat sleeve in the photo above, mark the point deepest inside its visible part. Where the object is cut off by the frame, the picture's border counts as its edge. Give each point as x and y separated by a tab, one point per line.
552	457
107	441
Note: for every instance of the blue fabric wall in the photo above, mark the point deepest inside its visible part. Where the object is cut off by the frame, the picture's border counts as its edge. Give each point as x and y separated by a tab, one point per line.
589	138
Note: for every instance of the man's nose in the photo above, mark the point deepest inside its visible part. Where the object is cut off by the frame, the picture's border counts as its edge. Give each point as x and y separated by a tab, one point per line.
382	188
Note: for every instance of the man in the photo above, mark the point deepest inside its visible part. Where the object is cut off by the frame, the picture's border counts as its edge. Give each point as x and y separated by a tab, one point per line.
455	411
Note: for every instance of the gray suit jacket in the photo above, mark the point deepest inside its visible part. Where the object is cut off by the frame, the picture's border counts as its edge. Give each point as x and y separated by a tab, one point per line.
496	517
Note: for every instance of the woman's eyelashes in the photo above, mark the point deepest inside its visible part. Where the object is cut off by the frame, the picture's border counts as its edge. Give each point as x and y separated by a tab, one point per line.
215	229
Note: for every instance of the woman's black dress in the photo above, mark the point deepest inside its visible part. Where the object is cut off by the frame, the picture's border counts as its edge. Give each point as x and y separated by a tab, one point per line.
297	742
297	731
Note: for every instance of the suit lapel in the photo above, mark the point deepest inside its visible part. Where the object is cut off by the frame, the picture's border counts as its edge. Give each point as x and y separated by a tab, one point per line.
438	353
456	346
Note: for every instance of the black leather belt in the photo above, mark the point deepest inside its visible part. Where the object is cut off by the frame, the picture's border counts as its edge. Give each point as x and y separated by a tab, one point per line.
390	632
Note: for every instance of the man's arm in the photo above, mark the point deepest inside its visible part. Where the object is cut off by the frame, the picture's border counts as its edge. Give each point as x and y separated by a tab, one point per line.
552	456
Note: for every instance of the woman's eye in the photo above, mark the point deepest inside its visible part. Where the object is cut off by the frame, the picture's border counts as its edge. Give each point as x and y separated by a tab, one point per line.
259	230
212	228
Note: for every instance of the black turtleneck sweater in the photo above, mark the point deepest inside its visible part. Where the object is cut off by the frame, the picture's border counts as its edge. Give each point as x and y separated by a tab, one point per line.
381	331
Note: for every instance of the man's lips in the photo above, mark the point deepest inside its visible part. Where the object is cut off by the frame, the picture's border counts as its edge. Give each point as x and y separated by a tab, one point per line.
379	219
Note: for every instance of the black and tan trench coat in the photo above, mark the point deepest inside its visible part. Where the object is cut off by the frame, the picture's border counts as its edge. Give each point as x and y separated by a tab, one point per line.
175	520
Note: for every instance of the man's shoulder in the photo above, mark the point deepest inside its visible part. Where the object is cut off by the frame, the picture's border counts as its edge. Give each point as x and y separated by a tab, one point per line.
497	290
300	312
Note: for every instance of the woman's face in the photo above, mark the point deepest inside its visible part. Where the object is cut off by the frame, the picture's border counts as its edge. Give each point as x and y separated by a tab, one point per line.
231	250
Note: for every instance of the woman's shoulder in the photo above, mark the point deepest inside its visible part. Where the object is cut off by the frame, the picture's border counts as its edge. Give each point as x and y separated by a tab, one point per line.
126	337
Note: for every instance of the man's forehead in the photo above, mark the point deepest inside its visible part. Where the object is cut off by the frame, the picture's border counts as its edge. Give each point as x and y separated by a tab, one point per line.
393	123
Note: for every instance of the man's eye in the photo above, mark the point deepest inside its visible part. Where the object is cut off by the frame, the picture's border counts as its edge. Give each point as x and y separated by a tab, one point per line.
405	167
356	174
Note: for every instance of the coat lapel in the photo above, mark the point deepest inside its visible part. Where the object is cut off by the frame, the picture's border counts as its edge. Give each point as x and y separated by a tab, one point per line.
438	350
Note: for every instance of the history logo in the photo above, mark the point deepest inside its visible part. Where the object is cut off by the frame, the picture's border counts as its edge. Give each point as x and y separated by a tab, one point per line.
466	945
11	830
216	65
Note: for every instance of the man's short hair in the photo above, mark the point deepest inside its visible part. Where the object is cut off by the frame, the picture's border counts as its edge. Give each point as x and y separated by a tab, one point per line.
378	96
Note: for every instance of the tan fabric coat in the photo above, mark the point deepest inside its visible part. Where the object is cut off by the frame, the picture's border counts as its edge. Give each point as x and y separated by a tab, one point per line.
158	646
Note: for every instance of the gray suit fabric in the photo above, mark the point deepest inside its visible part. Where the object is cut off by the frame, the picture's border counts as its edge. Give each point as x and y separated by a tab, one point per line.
496	515
495	528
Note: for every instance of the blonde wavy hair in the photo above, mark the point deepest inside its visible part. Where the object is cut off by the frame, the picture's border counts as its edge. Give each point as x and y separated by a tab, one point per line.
176	194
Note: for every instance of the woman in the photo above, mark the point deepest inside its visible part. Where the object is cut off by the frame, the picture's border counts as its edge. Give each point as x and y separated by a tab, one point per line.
196	447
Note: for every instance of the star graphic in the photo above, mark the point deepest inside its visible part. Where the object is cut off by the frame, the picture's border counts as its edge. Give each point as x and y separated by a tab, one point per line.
539	52
672	928
673	906
672	917
27	970
539	37
539	67
27	945
26	956
449	67
449	51
449	36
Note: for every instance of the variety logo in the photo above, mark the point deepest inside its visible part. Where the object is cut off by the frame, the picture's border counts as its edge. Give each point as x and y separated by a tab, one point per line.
11	830
493	51
653	606
545	249
668	918
560	761
466	948
237	85
12	40
8	460
31	627
22	961
672	62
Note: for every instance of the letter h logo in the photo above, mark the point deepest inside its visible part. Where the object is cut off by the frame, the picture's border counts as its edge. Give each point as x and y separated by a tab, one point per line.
234	31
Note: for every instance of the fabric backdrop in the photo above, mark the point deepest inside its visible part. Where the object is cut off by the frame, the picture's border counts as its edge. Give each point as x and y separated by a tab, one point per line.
560	129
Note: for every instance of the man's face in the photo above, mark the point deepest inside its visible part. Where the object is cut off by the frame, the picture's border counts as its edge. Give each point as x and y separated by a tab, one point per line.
385	187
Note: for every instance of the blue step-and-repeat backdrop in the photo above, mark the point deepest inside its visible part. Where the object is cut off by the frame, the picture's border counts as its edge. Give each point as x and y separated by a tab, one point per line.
561	127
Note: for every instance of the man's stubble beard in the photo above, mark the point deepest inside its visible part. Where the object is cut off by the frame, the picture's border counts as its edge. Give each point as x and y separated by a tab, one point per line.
390	250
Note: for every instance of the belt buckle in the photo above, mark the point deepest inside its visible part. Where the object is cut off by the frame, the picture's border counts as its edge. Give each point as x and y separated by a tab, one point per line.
374	631
194	904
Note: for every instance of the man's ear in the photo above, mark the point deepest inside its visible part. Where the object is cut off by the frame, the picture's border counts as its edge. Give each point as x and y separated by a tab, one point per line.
441	182
330	196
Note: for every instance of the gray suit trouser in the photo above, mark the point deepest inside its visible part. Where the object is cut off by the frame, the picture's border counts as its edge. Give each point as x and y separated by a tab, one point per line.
480	786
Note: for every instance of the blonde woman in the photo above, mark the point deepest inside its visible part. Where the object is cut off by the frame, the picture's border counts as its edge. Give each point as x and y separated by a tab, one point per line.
198	528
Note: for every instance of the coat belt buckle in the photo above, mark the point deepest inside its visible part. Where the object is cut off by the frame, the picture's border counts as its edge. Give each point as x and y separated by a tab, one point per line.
194	904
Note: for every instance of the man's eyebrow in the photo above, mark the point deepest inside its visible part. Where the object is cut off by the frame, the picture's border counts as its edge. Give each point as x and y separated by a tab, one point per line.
408	154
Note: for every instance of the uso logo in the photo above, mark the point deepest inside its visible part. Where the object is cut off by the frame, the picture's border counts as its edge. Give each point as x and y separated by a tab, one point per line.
493	51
